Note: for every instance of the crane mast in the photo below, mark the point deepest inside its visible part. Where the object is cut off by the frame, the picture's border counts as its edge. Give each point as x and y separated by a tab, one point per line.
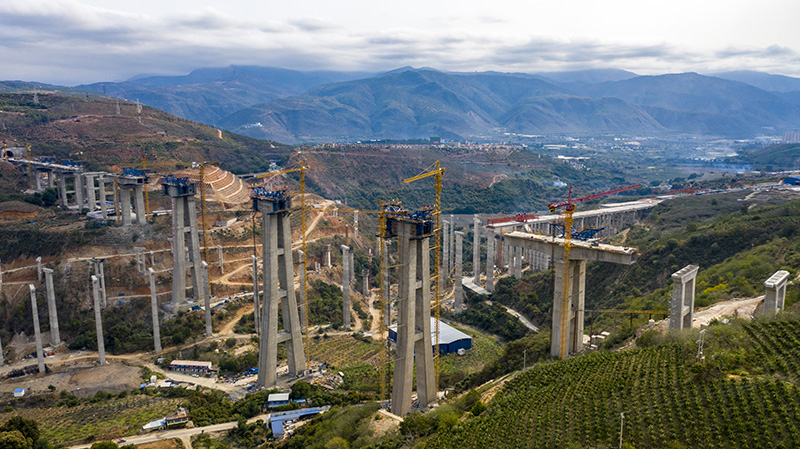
569	209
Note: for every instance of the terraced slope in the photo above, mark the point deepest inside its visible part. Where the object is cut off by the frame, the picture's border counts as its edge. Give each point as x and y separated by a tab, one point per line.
665	397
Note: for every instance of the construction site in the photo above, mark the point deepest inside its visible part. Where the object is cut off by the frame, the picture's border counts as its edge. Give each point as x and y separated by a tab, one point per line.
239	257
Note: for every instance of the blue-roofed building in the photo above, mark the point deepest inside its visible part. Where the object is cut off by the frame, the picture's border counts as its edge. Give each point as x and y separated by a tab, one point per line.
278	419
277	399
450	338
793	181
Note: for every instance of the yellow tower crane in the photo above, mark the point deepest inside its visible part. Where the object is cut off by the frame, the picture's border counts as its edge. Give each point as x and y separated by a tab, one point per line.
437	172
569	209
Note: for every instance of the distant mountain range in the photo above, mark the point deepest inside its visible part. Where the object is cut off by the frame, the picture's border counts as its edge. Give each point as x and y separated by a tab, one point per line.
293	106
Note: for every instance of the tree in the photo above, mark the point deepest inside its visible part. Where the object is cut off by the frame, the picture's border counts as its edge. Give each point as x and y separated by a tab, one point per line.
337	443
301	390
14	440
27	427
105	445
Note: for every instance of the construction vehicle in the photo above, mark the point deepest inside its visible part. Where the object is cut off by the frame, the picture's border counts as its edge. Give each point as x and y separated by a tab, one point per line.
569	209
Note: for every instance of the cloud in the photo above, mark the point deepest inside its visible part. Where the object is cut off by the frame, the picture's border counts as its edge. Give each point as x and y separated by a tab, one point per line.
68	42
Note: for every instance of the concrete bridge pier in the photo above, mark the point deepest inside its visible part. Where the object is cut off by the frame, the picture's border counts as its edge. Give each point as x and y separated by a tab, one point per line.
278	290
776	292
413	320
476	249
154	312
442	268
681	310
141	265
132	187
568	306
98	320
36	329
328	256
91	191
458	290
101	196
491	242
346	276
184	221
55	336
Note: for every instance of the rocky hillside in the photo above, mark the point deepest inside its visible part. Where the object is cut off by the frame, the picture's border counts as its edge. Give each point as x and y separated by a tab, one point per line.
104	132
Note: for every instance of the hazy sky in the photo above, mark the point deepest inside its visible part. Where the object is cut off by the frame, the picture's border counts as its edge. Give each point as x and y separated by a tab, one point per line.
83	41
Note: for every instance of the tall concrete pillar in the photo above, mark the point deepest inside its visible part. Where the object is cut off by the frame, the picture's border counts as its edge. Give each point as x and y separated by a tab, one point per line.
681	310
125	206
776	291
355	223
55	336
567	330
328	256
37	331
184	221
365	281
154	312
62	190
518	254
346	276
445	253
301	277
476	249
37	180
278	288
352	266
219	255
140	261
51	180
451	243
490	258
152	258
97	265
207	301
78	190
39	268
458	290
101	196
413	321
387	303
138	198
91	196
98	320
256	302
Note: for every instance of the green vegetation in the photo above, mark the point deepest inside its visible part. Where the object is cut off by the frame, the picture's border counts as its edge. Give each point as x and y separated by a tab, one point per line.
339	427
493	318
85	421
486	349
325	304
530	350
743	395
